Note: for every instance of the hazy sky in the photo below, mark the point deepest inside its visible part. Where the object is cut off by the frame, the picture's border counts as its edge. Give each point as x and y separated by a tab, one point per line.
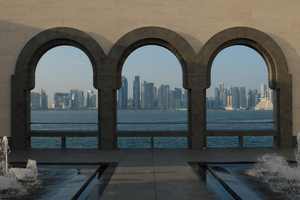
64	68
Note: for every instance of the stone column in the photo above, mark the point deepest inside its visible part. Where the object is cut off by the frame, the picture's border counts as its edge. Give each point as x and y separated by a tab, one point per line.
20	113
107	119
197	118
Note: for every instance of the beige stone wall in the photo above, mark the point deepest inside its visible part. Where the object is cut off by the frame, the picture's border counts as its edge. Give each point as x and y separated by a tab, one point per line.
108	20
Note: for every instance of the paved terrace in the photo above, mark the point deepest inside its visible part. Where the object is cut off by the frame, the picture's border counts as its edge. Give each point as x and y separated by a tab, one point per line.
150	173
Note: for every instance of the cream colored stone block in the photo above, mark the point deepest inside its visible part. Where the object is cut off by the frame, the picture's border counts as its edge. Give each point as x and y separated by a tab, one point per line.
88	13
12	37
158	11
99	25
228	3
289	13
215	12
38	13
71	4
141	11
127	24
265	13
277	3
151	21
207	3
295	25
23	4
240	13
114	13
63	13
12	13
294	4
190	13
49	23
52	3
177	3
253	23
252	3
100	3
172	23
126	3
6	3
76	23
227	23
278	25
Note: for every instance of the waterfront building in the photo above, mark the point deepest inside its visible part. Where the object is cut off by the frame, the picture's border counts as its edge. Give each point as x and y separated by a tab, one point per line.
242	97
59	99
161	97
35	100
235	97
136	92
144	95
44	100
123	94
263	90
151	95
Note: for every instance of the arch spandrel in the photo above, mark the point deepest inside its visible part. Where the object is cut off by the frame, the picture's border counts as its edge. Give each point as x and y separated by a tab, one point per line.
151	36
48	39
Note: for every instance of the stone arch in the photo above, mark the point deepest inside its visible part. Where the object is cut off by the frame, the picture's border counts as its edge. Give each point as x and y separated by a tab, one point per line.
152	36
48	39
112	71
279	79
24	78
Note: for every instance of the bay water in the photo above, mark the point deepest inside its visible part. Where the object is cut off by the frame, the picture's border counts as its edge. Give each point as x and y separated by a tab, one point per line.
170	120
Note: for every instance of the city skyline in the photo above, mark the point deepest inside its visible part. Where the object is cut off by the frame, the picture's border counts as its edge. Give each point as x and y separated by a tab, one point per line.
67	67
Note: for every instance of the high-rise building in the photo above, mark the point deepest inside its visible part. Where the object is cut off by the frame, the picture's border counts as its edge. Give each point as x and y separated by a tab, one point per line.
242	97
151	95
167	96
74	99
59	99
81	99
235	97
44	100
35	100
263	88
161	103
155	104
250	101
136	92
144	95
123	94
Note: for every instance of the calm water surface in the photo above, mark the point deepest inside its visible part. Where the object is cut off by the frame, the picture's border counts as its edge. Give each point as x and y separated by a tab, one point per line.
153	117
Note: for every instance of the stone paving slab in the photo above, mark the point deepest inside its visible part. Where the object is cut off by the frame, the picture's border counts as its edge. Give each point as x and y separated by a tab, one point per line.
159	174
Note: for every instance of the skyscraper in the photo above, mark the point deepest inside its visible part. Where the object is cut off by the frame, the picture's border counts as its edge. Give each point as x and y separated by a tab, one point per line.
123	94
151	95
263	88
44	100
235	97
160	97
144	95
136	92
242	97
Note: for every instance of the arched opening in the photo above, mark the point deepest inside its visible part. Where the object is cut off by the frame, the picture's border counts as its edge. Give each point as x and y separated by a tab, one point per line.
64	83
278	79
152	98
23	81
239	97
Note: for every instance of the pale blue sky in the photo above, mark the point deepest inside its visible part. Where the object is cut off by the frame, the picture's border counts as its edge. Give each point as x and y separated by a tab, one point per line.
64	68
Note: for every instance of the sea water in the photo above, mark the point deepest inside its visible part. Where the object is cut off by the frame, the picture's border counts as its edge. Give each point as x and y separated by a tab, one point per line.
91	118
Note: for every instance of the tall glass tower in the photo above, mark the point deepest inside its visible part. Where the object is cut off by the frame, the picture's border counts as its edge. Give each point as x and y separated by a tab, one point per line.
136	93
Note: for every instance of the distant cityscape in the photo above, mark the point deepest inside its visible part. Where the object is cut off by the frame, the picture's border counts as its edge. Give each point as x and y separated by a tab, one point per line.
148	97
235	98
73	100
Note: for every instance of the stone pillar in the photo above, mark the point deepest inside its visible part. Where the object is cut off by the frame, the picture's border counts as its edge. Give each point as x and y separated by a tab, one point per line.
107	119
197	118
285	139
20	113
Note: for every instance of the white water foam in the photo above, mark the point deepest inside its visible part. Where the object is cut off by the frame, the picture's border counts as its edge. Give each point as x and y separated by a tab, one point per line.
278	175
